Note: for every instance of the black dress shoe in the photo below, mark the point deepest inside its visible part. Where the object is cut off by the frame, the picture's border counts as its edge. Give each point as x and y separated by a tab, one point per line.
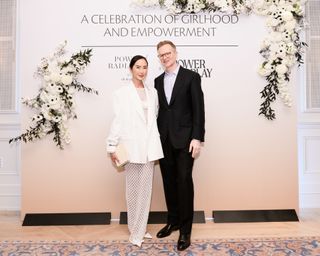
167	230
183	242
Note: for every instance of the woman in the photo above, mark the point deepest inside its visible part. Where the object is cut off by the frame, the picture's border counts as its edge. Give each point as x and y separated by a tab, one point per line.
135	126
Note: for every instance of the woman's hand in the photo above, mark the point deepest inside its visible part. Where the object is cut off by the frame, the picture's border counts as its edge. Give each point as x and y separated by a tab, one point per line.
114	158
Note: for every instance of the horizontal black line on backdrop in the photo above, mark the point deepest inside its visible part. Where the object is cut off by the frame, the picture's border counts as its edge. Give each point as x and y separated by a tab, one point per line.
205	45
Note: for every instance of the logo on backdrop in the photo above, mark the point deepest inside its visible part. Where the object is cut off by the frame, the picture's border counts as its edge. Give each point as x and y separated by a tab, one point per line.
198	65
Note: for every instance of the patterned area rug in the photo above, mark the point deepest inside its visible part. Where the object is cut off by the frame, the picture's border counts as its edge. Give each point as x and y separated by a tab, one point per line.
290	246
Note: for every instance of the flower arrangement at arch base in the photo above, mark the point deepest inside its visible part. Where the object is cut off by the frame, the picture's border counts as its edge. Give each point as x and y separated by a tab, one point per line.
281	49
55	102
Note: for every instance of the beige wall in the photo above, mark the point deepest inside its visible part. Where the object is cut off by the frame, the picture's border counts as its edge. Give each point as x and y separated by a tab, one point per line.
247	162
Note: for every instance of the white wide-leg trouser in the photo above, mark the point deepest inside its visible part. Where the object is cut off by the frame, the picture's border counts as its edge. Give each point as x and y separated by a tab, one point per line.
139	178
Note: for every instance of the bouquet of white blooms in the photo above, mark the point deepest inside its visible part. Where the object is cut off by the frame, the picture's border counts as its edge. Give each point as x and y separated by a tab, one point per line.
55	103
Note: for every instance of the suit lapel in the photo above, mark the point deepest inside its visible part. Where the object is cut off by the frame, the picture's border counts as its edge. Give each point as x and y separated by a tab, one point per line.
177	84
161	90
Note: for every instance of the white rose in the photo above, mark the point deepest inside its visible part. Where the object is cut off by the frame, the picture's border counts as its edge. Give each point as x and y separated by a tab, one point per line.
281	69
287	16
56	105
276	36
273	56
66	79
263	72
290	25
274	48
259	3
55	77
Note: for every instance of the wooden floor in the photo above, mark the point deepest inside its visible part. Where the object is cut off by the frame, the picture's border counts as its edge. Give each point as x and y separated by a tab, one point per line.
309	225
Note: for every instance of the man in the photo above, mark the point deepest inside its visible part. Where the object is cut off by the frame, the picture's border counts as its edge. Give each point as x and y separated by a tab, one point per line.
181	127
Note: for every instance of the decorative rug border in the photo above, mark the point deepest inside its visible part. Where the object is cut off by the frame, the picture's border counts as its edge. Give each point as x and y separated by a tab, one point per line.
164	241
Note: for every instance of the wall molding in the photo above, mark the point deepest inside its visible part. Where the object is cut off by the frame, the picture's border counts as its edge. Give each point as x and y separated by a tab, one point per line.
10	189
10	126
309	125
309	200
16	153
305	140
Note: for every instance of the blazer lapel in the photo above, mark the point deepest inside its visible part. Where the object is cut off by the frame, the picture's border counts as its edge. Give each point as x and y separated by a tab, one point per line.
151	106
136	101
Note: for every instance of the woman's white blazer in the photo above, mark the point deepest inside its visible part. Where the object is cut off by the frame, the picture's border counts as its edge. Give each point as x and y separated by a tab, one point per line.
130	127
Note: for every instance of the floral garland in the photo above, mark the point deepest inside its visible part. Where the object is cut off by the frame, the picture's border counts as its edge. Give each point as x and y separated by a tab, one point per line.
281	50
54	102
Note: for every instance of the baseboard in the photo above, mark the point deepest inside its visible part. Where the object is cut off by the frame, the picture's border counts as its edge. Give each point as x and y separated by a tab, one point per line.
56	219
161	217
255	216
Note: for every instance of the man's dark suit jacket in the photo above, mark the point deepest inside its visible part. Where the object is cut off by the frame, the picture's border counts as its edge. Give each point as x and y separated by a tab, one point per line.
183	118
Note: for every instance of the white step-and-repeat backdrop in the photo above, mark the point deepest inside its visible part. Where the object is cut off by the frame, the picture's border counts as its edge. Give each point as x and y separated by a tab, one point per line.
247	161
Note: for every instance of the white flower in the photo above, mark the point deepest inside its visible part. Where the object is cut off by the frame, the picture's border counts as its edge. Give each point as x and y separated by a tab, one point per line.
281	52
259	4
55	77
263	72
266	69
281	69
287	16
284	93
275	36
59	89
265	43
291	48
38	118
66	79
56	119
46	78
274	47
52	88
69	69
44	96
290	25
47	114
